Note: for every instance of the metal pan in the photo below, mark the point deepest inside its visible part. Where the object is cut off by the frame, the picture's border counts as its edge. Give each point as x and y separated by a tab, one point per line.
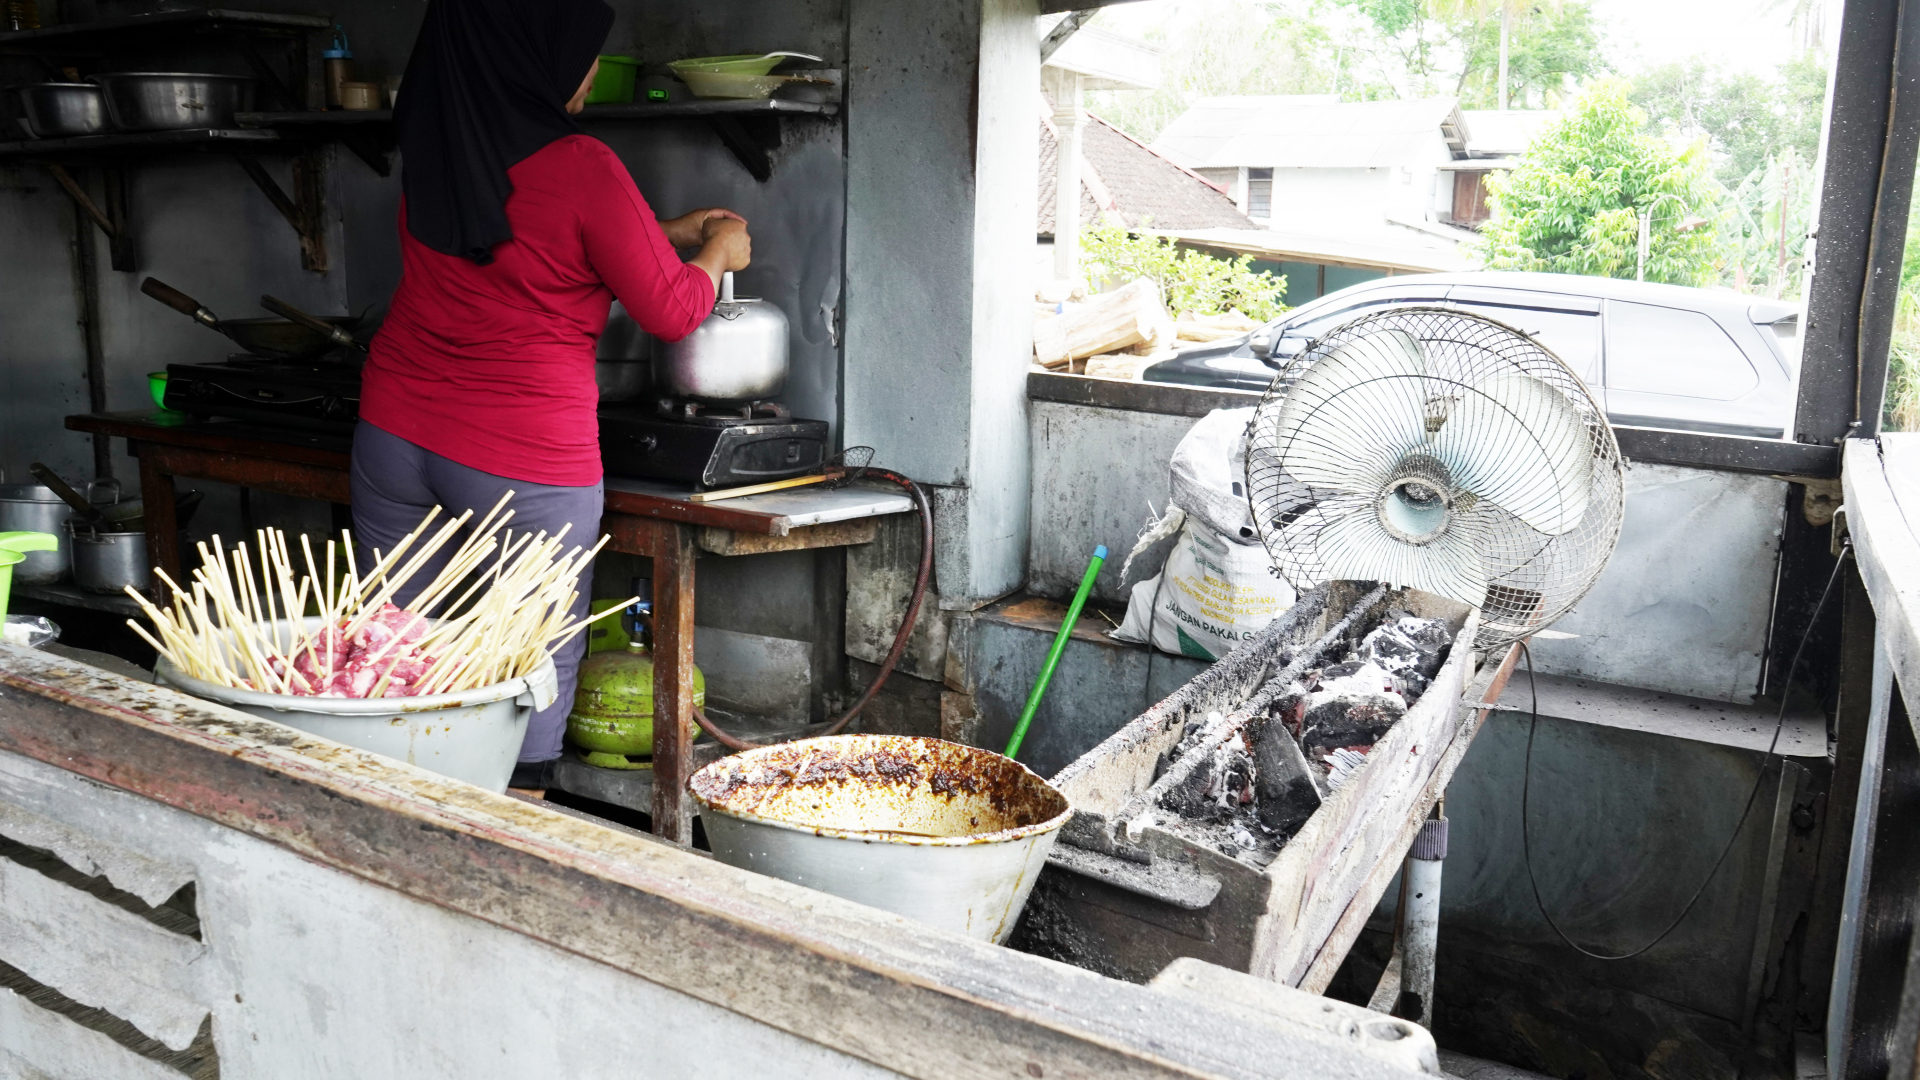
271	339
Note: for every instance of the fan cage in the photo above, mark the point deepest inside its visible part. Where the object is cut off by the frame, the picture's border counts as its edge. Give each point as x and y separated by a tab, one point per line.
1533	577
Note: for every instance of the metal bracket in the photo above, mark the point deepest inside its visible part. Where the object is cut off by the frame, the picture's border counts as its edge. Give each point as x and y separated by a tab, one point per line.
1063	30
113	220
306	212
751	140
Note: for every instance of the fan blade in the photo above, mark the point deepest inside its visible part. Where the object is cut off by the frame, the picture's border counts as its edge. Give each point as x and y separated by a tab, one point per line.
1358	547
1517	442
1353	414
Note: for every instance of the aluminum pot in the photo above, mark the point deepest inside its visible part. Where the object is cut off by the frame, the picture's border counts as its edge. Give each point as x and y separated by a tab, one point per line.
473	735
941	833
171	101
35	508
738	354
63	110
107	562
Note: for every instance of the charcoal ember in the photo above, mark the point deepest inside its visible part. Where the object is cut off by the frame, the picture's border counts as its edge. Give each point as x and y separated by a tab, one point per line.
1346	720
1285	792
1355	677
1409	648
1218	787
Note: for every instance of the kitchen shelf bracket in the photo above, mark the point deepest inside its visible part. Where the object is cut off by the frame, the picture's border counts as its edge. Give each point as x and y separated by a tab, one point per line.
751	140
306	209
113	219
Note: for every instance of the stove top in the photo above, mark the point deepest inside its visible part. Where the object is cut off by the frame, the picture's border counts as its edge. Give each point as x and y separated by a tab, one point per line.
313	395
709	446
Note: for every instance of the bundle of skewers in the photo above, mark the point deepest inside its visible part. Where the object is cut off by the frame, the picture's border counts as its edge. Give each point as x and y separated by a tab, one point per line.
498	607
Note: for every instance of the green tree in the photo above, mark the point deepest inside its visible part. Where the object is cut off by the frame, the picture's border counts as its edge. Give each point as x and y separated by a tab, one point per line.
1573	204
1549	47
1189	280
1746	117
1765	222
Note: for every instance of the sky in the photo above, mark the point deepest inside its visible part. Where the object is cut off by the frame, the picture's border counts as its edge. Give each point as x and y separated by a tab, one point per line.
1736	33
1750	34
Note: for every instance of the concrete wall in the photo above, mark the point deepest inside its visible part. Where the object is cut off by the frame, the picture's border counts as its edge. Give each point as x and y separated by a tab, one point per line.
940	197
307	971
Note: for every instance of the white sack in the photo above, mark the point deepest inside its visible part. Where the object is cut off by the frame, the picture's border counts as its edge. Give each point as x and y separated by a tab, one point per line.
1217	587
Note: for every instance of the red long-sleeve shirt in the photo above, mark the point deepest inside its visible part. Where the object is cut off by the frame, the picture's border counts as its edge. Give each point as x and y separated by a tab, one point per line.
492	366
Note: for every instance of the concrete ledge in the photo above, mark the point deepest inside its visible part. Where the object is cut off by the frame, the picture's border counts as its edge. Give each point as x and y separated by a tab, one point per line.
1150	397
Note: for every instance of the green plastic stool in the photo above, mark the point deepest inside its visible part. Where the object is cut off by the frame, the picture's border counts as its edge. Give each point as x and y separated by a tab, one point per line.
13	548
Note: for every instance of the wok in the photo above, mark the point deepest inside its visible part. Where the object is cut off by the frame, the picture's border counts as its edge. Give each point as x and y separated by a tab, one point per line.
271	339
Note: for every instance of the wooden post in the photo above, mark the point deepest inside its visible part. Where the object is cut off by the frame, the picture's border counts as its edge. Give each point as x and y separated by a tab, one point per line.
673	555
163	533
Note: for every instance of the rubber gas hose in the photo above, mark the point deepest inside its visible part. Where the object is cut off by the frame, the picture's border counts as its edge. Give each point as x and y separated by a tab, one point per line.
919	593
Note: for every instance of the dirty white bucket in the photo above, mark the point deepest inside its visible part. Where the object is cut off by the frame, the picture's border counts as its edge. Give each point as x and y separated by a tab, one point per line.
944	834
473	735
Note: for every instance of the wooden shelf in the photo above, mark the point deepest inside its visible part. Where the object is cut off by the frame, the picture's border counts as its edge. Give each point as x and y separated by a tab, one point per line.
134	143
52	39
674	110
73	596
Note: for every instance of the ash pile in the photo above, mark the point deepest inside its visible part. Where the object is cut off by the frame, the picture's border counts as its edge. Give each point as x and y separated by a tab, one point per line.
1243	784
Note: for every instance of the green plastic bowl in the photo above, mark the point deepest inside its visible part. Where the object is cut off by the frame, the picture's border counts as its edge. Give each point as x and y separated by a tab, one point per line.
614	83
157	386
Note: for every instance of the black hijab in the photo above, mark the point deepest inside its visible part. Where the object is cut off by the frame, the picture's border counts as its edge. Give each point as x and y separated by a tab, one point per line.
487	85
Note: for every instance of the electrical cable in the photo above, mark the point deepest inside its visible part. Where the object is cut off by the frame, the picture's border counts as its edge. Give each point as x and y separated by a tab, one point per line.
1780	722
918	594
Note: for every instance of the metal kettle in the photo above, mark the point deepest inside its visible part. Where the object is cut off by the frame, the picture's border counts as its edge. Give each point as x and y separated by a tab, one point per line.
738	354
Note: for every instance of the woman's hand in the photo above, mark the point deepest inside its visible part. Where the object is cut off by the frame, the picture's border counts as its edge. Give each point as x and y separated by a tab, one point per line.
727	247
689	230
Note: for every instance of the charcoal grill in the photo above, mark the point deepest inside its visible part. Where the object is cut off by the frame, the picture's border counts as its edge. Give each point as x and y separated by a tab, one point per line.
1127	899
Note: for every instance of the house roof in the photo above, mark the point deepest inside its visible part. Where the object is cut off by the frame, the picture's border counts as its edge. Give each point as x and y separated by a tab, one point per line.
1312	131
1501	134
1107	61
1117	173
1389	246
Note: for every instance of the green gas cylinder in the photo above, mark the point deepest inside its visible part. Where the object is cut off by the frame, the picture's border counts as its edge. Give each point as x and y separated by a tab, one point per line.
612	717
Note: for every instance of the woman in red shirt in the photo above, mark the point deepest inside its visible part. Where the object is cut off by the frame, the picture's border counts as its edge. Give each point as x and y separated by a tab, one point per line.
516	233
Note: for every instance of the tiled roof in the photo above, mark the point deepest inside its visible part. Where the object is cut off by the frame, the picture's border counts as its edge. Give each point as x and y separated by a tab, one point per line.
1145	187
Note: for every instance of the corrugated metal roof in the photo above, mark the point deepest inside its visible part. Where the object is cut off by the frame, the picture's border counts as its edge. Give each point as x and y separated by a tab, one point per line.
1497	133
1312	132
1144	186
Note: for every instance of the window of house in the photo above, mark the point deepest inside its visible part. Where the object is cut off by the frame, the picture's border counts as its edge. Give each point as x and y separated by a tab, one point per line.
1470	197
1259	193
1662	350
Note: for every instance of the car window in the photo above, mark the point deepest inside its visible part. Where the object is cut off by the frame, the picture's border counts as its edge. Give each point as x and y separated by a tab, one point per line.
1663	350
1573	337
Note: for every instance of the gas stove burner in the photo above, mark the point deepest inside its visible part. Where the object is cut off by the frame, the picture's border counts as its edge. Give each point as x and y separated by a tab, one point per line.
709	447
701	412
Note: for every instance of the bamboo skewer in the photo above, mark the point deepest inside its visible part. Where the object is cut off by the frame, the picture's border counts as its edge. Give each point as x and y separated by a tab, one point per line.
503	600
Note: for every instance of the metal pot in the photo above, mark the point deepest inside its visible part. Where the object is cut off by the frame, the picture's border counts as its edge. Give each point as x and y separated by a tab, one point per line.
107	562
941	833
35	508
63	110
171	101
738	354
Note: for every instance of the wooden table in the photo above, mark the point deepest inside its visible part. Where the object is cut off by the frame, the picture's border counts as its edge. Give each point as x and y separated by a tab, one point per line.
642	517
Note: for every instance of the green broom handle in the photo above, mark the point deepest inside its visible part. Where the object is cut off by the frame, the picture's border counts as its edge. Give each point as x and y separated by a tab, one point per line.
1053	654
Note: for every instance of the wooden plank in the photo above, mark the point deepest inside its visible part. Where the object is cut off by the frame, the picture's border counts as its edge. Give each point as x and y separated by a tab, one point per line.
101	955
37	1043
1346	931
833	534
1349	843
754	489
300	479
1888	555
920	1002
232	436
672	681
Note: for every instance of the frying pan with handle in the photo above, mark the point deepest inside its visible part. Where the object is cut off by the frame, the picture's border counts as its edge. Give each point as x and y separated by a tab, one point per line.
271	339
333	333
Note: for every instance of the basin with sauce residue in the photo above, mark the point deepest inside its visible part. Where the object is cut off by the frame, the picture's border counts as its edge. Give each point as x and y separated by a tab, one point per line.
941	833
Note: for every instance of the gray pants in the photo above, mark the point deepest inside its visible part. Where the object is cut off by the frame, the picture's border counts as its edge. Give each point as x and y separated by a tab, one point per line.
395	483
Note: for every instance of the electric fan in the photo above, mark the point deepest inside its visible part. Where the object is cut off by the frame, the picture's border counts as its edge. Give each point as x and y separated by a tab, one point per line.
1440	450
